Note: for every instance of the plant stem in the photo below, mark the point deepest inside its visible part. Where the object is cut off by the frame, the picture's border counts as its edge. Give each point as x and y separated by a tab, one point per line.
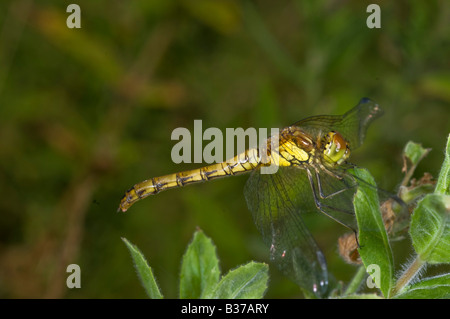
442	186
355	283
412	270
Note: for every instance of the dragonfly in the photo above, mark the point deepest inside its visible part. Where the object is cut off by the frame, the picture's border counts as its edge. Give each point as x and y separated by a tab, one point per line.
312	176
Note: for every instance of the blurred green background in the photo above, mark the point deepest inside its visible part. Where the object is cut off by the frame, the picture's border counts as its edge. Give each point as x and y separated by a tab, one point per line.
86	113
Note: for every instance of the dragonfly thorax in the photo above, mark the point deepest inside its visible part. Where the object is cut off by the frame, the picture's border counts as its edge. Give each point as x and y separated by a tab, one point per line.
336	149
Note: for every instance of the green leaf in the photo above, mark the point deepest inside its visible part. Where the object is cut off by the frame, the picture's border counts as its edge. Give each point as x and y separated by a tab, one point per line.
144	271
443	183
415	152
361	296
245	282
430	228
430	288
374	244
200	268
412	194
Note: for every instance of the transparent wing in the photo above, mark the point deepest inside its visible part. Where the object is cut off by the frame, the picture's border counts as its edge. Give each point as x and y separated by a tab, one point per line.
352	125
277	202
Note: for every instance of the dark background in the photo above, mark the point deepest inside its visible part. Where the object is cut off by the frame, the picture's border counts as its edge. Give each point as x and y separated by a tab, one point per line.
86	113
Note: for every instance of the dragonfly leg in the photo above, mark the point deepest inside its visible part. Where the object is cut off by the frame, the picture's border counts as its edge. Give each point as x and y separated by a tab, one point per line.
321	206
325	196
356	238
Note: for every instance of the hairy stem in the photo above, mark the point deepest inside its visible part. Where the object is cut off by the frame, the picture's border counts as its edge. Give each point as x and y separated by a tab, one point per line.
410	272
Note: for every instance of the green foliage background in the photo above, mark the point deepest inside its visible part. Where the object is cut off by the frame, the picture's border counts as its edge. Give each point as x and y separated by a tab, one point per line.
86	113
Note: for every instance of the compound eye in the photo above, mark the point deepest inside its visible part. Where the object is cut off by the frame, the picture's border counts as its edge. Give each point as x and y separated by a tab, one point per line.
339	141
336	149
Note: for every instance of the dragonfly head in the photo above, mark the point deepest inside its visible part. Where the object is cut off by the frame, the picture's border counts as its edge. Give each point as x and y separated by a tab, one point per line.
336	149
